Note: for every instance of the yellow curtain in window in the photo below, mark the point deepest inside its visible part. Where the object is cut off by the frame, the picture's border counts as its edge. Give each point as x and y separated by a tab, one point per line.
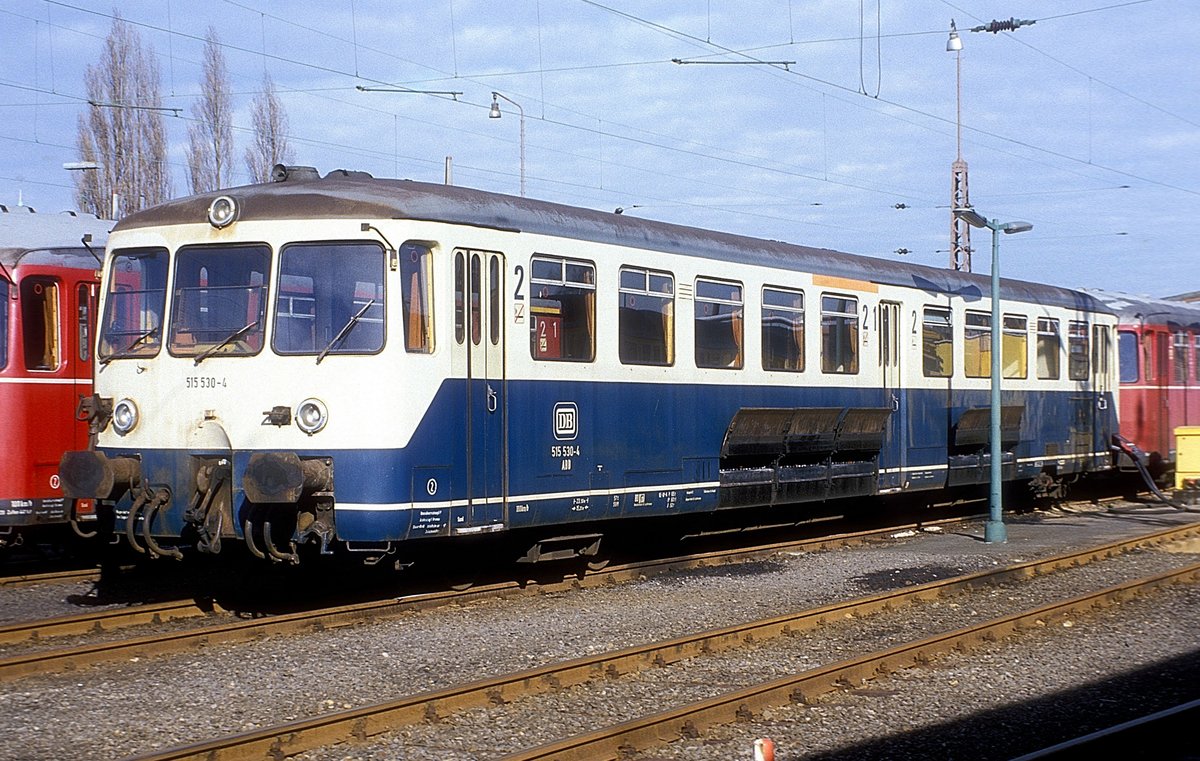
735	324
414	341
668	313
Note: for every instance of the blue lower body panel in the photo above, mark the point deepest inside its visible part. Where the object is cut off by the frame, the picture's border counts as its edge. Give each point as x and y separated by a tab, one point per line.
585	452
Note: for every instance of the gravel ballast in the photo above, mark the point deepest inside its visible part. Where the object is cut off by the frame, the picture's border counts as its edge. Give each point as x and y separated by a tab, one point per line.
127	708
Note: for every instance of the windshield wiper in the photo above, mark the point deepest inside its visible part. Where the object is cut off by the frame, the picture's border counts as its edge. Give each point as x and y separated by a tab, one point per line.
133	343
232	336
345	331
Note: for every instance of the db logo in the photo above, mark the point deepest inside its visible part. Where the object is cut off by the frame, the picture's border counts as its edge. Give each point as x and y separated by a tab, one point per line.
566	421
54	482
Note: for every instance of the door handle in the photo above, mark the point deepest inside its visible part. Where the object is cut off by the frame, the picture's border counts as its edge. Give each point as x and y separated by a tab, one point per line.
492	399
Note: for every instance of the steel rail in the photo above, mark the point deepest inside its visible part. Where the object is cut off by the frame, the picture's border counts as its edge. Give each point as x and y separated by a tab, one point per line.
102	620
361	723
51	577
693	720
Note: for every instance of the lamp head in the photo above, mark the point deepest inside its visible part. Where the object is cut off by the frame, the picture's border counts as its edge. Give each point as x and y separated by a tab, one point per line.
954	44
494	112
1016	227
971	217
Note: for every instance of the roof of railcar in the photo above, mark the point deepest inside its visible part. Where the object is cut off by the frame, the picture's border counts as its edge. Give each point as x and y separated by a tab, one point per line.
341	194
1131	308
27	237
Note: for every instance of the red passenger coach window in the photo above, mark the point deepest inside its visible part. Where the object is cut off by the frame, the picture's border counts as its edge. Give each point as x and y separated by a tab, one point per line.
4	288
84	293
1180	375
39	323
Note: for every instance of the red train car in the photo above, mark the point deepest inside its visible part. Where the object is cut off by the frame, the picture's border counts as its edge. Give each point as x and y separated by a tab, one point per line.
1159	342
49	281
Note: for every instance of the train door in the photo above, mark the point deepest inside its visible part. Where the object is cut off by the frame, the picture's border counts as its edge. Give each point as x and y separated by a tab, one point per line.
83	308
1176	391
487	455
894	456
1158	405
48	406
1102	386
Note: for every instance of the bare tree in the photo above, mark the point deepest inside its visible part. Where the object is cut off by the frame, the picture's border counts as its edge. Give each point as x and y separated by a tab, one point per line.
270	134
123	130
210	136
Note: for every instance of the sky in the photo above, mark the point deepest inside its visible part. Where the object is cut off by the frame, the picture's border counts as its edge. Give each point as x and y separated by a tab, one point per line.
826	123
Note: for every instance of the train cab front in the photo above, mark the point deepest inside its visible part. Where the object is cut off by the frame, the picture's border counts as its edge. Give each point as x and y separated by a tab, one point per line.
197	440
165	502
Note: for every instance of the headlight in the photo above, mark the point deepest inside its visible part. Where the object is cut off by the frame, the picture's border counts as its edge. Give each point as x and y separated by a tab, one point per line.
125	416
222	212
311	416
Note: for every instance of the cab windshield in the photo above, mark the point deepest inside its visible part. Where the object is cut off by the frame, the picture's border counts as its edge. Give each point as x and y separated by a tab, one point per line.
330	300
133	307
219	301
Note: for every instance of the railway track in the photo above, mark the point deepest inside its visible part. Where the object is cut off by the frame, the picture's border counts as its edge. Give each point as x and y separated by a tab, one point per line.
50	577
233	631
689	720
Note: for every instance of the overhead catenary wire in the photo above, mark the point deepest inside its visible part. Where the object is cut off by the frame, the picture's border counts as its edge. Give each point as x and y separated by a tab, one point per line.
611	129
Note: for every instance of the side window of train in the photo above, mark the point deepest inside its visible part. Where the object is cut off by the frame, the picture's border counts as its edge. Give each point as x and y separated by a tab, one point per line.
1195	355
646	317
1049	349
977	345
1162	351
782	329
563	307
475	286
460	298
1127	346
494	300
1014	347
1180	374
39	323
839	334
937	343
132	323
1077	351
325	310
1148	355
719	324
1101	351
417	294
83	294
4	296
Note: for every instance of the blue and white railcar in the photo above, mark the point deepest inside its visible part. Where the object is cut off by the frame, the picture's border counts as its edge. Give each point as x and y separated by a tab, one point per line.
351	363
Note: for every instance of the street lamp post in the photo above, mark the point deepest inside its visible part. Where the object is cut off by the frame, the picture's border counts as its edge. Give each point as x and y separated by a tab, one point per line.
994	530
494	113
960	195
